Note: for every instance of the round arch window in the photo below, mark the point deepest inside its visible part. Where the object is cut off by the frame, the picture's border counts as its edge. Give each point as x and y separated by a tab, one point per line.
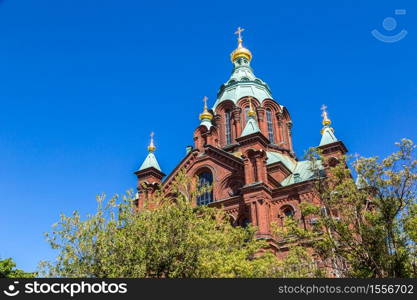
205	180
288	211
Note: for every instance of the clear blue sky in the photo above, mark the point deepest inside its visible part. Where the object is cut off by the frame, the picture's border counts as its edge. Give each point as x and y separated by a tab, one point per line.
83	82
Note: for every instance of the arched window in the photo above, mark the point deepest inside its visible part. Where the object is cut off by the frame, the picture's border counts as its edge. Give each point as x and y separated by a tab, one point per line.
270	126
205	179
288	211
246	114
228	127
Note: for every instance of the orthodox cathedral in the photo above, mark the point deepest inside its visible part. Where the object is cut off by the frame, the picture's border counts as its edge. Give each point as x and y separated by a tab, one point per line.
243	149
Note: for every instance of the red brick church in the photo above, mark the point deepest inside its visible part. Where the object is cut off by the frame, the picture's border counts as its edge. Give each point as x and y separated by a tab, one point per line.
243	148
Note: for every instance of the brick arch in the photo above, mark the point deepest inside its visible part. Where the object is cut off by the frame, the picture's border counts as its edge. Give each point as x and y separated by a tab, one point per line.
271	104
224	105
232	184
285	207
244	101
206	167
286	113
220	120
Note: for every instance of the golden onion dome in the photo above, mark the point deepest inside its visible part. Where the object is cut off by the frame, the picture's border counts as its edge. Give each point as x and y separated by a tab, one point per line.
240	51
205	114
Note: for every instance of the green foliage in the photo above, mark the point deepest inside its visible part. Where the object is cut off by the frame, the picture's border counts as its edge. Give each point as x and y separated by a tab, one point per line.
8	270
171	240
368	231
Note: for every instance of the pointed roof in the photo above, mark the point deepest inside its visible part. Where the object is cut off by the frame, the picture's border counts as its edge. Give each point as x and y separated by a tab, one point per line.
327	131
206	116
328	136
251	124
251	127
150	160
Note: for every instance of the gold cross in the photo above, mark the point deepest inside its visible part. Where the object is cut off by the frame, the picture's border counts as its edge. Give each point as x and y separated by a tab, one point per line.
324	113
152	134
239	32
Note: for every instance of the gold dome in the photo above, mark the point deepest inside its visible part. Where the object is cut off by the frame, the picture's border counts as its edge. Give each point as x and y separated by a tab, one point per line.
240	51
205	114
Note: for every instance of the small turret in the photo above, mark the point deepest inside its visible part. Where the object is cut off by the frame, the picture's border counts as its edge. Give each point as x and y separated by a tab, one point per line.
329	144
327	131
206	116
149	176
150	171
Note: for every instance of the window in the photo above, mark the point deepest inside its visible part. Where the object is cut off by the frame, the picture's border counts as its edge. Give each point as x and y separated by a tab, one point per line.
246	114
205	179
270	126
228	127
288	211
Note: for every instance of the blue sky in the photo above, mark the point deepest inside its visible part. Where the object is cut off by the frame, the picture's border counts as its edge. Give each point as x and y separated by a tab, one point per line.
83	82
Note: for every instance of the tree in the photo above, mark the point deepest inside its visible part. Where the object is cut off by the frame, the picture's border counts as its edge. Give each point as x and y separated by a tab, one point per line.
8	270
173	239
365	228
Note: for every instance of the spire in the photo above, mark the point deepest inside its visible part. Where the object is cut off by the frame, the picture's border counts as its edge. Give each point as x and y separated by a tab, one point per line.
242	82
240	51
206	116
326	120
327	131
150	160
251	125
151	147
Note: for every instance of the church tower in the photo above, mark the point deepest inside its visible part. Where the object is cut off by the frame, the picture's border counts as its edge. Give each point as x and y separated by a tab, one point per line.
243	148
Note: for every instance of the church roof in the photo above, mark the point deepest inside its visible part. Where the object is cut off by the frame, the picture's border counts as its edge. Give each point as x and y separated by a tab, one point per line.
251	127
327	132
274	157
302	172
149	162
242	82
328	136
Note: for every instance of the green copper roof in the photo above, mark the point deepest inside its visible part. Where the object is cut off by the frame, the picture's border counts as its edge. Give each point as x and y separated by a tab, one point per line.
274	157
251	127
150	161
243	83
328	136
302	172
